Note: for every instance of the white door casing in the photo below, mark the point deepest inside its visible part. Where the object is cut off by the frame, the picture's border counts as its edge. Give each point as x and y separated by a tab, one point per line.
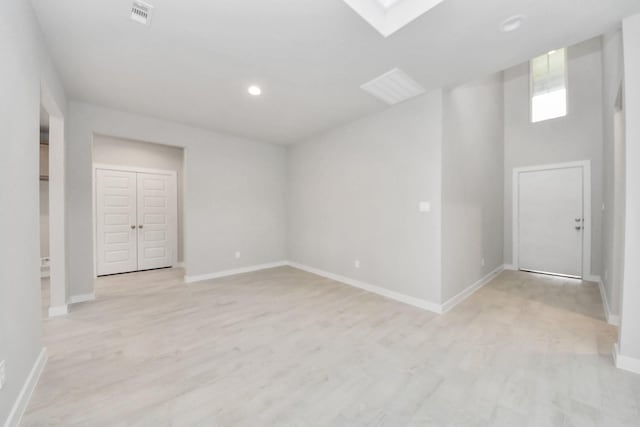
147	200
552	219
157	221
116	239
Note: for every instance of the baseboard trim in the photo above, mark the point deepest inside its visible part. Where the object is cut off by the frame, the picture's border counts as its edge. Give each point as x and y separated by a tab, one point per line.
75	299
470	290
20	405
510	267
59	310
416	302
397	296
225	273
625	363
612	319
179	264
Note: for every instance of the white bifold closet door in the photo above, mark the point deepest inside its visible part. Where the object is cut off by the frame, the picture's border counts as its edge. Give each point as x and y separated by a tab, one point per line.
136	219
156	220
116	221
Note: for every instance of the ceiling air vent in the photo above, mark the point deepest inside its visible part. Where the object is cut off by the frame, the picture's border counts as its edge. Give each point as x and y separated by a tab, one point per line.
393	87
141	12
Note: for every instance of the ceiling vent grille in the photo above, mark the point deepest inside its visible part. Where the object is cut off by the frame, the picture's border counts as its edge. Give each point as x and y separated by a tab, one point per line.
393	87
141	12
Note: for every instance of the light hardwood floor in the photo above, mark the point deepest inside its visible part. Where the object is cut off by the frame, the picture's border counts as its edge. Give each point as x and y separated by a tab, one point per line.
286	348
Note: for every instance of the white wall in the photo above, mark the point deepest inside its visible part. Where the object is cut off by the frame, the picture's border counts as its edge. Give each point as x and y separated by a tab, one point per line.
234	197
578	136
629	340
125	152
613	172
25	65
354	194
472	183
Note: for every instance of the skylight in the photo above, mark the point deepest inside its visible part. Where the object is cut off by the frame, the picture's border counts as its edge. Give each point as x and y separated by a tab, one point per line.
388	16
388	3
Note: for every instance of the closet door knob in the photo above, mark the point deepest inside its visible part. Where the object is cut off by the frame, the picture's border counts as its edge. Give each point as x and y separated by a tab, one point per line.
140	226
133	227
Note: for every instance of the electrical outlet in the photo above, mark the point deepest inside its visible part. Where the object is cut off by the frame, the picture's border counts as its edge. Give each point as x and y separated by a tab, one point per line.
356	264
3	374
237	254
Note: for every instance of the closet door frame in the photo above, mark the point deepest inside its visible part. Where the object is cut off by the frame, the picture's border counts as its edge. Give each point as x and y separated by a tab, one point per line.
121	168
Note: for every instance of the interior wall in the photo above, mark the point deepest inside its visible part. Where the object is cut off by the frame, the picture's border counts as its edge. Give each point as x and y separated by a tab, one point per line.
354	195
25	66
577	136
613	172
125	152
234	198
472	183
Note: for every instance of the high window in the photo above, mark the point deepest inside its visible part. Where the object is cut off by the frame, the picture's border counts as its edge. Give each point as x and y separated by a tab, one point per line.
548	77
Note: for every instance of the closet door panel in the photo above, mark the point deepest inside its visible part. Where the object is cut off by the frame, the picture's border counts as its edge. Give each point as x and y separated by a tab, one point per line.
157	220
116	238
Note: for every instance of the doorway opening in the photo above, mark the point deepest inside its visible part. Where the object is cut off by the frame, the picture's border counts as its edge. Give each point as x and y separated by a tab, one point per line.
52	205
552	220
44	209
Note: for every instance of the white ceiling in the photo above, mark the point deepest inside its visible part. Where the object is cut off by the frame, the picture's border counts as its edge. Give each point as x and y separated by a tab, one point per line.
195	61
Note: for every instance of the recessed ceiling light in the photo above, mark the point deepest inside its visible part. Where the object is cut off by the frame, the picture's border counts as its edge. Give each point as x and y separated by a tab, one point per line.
254	90
512	23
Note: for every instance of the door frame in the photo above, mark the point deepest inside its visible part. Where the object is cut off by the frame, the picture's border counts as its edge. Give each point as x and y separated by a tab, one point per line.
119	168
586	209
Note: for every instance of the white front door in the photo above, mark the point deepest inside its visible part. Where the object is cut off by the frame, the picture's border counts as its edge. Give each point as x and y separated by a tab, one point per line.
551	220
157	221
116	222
